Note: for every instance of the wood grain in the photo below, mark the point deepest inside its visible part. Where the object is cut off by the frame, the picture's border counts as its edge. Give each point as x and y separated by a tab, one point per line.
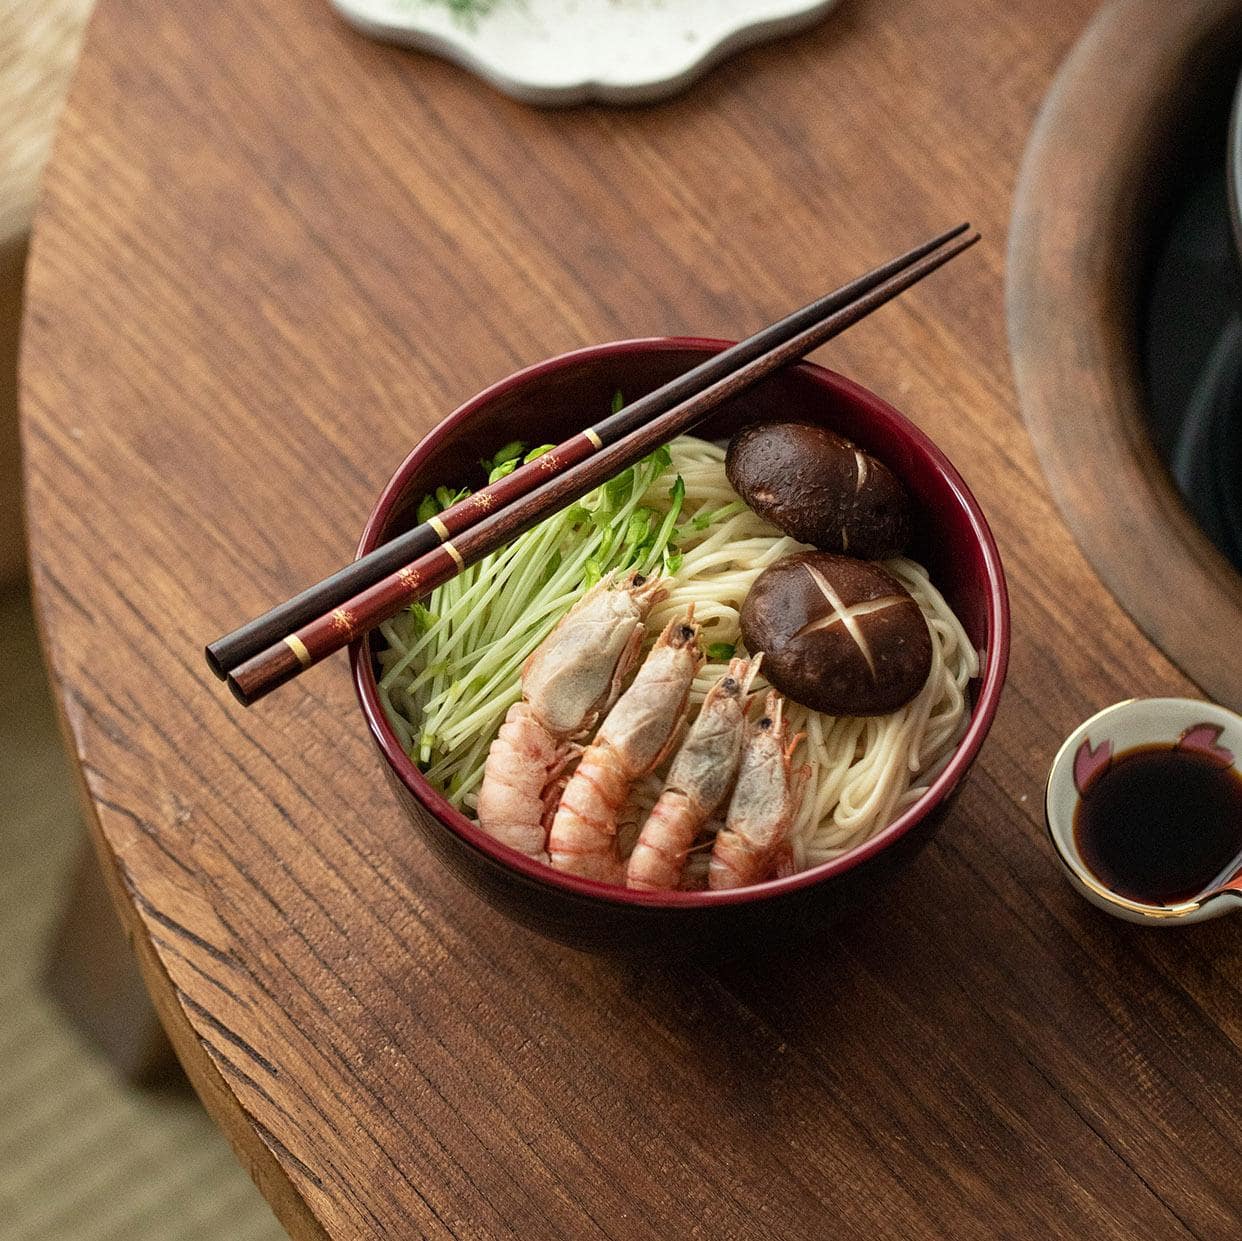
264	240
1121	115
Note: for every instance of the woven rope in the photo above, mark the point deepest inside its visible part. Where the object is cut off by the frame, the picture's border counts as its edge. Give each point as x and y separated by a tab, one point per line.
82	1157
39	42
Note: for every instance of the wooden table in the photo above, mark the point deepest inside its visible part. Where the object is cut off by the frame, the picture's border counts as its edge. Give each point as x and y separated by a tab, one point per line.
269	256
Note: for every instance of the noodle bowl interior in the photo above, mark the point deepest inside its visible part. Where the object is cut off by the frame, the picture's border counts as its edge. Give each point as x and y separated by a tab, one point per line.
450	669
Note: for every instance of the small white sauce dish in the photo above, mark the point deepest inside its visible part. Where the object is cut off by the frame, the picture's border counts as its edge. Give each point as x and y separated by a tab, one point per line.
1088	751
559	52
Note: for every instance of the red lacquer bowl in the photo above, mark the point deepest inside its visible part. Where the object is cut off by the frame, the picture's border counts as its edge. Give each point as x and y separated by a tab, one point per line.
549	402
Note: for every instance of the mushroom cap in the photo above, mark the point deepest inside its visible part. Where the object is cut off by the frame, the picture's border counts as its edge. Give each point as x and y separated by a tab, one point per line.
839	635
820	488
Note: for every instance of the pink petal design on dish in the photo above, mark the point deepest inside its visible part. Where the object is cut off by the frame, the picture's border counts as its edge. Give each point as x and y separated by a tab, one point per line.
1202	738
1089	764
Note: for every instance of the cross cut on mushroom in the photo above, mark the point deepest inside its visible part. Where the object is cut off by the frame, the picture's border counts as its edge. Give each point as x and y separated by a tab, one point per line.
847	616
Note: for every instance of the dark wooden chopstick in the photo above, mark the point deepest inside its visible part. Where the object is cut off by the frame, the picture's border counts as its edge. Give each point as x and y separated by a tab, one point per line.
228	652
565	484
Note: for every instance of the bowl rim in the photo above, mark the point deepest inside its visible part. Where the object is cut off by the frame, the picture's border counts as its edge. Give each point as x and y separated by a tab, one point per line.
996	661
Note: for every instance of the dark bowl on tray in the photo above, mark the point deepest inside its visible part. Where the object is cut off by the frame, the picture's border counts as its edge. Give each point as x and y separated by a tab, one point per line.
552	400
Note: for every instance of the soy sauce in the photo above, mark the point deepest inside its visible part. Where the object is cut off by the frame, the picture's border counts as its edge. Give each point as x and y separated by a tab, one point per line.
1161	825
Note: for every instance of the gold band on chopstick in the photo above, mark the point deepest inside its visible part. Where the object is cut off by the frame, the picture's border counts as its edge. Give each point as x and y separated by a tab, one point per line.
298	647
452	551
439	527
593	436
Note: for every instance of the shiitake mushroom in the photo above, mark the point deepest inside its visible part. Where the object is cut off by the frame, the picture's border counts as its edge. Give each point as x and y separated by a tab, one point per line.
837	634
820	488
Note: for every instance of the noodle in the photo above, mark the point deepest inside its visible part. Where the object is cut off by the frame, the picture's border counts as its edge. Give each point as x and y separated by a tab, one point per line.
863	770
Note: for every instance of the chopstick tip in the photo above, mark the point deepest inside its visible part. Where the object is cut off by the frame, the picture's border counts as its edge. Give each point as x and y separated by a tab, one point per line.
240	694
214	662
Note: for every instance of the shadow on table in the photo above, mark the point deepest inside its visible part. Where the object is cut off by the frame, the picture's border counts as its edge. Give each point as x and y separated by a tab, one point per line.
932	979
755	1014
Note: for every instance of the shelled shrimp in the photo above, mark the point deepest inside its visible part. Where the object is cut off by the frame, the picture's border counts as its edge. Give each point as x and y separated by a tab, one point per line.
697	783
635	737
570	679
754	843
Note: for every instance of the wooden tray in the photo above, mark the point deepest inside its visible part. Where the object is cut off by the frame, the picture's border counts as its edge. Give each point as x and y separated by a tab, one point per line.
1094	189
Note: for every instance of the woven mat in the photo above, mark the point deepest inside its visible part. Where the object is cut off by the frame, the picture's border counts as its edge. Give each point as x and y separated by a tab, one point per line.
82	1157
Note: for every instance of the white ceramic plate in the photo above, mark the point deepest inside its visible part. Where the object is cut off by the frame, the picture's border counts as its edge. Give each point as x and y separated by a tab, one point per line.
570	51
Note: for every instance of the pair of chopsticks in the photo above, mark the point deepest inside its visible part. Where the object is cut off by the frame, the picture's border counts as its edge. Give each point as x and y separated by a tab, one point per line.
297	634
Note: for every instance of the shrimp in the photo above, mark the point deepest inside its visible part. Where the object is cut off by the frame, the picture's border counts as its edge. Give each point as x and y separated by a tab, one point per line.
635	737
575	674
519	777
697	783
754	843
570	679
